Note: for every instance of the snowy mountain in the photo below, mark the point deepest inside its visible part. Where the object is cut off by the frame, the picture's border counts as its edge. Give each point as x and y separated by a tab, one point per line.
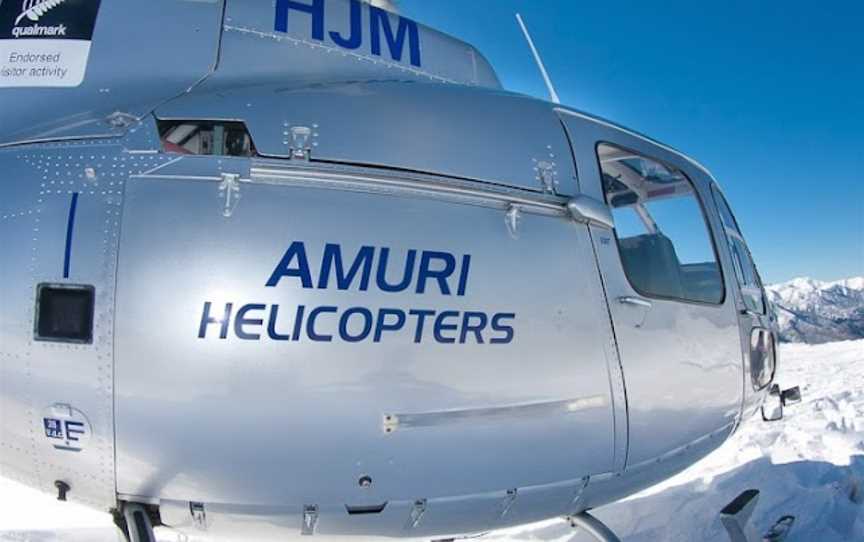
812	311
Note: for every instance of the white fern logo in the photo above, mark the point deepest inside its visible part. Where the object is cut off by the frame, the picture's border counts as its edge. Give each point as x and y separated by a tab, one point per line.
33	9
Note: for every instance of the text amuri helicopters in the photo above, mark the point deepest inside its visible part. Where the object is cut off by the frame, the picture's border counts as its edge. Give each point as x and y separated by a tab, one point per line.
303	268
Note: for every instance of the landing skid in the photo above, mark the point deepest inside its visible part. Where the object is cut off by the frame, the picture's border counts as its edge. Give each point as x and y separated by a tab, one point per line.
593	526
135	523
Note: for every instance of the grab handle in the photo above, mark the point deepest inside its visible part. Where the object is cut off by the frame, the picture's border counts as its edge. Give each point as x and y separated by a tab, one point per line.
635	301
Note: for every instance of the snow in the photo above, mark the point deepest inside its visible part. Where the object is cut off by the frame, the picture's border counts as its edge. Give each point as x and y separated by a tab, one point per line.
854	283
810	464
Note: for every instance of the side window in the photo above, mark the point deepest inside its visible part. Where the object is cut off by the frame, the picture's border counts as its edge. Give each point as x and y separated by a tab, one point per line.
213	138
664	241
745	269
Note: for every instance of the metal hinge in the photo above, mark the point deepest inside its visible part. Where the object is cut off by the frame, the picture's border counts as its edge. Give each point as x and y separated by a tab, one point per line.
229	191
580	489
509	500
512	219
417	513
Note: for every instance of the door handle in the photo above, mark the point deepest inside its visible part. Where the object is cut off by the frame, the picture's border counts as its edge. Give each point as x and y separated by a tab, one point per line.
635	301
590	210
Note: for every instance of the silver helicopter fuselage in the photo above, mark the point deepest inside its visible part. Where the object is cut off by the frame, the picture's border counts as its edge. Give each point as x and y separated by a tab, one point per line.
303	267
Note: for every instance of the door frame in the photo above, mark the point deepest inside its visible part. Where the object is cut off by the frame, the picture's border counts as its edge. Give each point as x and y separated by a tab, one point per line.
585	134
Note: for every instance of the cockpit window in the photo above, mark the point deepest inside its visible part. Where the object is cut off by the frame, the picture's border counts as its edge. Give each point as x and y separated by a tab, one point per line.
745	269
197	137
664	242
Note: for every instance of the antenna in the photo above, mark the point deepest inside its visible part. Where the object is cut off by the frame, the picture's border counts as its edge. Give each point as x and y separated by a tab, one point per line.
552	94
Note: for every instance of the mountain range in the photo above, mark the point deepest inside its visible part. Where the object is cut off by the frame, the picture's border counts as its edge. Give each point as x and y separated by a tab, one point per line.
814	312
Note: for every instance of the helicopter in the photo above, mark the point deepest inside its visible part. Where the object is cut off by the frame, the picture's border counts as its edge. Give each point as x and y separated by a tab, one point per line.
305	268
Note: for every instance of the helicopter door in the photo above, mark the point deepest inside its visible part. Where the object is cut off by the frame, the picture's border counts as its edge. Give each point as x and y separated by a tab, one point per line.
677	335
677	331
280	339
758	340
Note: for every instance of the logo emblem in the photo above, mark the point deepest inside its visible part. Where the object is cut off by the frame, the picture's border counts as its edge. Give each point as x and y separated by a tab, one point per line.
34	9
66	428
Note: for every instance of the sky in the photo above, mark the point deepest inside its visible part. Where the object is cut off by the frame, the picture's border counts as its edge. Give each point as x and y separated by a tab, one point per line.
769	95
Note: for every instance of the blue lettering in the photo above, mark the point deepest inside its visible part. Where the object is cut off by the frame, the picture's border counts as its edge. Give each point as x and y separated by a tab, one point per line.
381	325
379	20
356	37
357	324
407	276
240	321
310	324
315	9
441	275
53	428
498	326
298	322
379	23
284	269
333	259
463	275
74	428
421	319
206	320
440	268
441	326
271	326
476	329
367	324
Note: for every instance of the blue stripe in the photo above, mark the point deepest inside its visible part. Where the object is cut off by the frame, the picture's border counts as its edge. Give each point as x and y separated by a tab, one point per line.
70	226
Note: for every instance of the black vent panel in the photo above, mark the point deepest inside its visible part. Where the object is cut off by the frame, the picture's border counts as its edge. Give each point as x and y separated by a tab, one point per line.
64	313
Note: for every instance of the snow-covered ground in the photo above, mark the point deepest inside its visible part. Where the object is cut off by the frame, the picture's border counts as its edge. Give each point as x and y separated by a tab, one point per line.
810	465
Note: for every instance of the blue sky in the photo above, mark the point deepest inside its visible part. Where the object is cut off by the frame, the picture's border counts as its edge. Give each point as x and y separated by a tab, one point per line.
768	95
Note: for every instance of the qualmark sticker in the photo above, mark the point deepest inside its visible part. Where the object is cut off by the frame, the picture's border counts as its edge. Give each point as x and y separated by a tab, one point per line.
45	43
